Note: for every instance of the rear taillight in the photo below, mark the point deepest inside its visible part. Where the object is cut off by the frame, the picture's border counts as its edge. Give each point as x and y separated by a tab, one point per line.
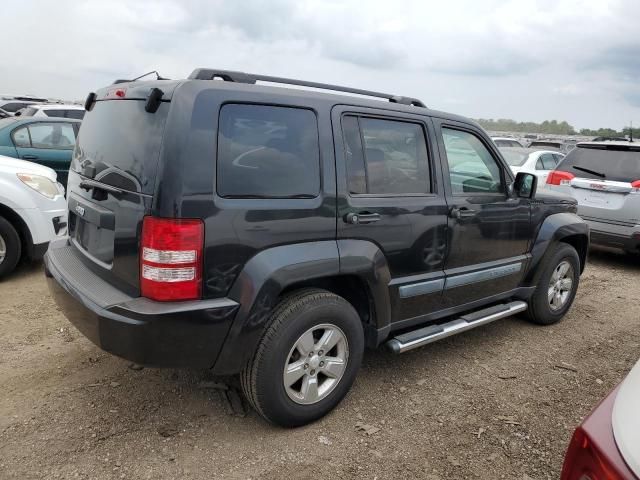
558	177
636	185
586	461
171	258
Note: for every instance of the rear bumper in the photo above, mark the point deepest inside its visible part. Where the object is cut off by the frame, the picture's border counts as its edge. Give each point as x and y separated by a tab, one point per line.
607	239
179	334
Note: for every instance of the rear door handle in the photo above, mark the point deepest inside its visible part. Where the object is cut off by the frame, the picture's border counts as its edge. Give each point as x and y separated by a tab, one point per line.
361	218
462	212
29	157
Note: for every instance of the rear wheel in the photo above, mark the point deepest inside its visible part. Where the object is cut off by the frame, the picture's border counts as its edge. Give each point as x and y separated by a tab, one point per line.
307	359
10	247
557	288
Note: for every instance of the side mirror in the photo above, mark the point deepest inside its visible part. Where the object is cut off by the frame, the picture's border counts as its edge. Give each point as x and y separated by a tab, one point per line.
525	185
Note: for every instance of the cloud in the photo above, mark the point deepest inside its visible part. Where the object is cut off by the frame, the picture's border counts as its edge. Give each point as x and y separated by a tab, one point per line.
526	59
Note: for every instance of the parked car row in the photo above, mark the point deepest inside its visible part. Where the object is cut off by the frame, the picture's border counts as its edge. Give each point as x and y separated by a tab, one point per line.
277	235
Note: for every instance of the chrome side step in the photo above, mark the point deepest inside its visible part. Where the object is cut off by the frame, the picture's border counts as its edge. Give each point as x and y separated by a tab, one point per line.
417	338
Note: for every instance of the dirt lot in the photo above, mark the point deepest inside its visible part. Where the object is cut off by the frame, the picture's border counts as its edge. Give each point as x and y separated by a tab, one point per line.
497	402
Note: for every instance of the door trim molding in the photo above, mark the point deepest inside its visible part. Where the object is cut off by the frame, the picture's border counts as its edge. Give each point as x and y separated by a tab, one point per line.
482	275
421	288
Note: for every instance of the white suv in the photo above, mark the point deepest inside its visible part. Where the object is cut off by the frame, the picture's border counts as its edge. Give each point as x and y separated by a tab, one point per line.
52	110
33	211
604	177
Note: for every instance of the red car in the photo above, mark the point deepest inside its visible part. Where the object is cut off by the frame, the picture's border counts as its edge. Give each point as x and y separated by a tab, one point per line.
607	444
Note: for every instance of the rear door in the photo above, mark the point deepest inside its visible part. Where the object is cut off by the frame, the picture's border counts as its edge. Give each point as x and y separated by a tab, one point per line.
489	230
47	143
390	194
111	185
605	184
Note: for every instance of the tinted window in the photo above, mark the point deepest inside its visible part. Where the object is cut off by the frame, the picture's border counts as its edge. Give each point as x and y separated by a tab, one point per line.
472	168
121	136
386	156
21	137
54	113
77	114
52	135
13	107
609	164
266	151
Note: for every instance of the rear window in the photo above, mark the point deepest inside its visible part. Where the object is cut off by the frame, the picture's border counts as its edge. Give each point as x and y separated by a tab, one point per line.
514	158
119	144
28	112
621	165
268	152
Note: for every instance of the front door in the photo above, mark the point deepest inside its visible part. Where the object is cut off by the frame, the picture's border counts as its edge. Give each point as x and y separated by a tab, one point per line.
489	229
390	195
47	143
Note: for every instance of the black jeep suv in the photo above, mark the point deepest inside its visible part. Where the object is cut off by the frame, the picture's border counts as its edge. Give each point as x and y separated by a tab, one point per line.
275	232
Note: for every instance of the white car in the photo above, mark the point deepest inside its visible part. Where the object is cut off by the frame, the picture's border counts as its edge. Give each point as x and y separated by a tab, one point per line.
538	162
506	142
52	110
33	211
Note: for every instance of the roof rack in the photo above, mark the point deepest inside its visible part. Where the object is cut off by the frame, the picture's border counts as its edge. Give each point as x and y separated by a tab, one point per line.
241	77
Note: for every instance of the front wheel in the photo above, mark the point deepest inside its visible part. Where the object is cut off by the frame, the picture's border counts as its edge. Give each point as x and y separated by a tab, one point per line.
557	287
10	248
307	359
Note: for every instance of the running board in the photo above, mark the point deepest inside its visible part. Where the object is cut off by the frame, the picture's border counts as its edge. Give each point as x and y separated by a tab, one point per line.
417	338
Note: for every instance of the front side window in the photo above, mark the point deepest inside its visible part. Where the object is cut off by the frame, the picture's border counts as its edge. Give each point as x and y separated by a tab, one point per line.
386	156
472	168
268	152
52	135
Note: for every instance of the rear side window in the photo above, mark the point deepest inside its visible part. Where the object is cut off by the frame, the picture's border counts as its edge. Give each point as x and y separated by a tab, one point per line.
268	152
621	165
77	114
54	113
385	156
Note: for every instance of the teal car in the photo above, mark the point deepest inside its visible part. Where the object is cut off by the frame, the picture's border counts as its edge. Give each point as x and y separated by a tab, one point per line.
47	141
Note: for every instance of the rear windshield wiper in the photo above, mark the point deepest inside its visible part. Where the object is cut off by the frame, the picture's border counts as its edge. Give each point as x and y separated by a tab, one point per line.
592	172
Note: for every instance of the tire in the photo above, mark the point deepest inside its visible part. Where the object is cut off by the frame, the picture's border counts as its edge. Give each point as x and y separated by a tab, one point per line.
543	310
10	244
320	314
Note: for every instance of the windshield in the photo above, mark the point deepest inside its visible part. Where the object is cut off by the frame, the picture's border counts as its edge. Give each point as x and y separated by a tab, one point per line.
515	158
620	165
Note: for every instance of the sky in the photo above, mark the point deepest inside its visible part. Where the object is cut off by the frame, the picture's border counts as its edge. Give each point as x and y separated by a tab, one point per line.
529	60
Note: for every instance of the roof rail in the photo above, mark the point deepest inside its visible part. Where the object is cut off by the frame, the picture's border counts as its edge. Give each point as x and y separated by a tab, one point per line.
241	77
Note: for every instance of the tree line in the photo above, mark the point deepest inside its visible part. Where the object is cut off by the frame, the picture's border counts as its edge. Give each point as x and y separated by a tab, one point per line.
550	127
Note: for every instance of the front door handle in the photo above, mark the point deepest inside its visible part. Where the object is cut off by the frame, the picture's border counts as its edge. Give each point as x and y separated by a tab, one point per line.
29	157
361	218
462	212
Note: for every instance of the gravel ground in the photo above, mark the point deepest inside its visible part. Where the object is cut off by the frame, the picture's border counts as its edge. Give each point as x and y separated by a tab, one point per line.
496	402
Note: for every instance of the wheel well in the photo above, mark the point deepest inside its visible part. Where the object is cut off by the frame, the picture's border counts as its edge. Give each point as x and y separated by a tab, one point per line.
581	244
350	287
23	231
